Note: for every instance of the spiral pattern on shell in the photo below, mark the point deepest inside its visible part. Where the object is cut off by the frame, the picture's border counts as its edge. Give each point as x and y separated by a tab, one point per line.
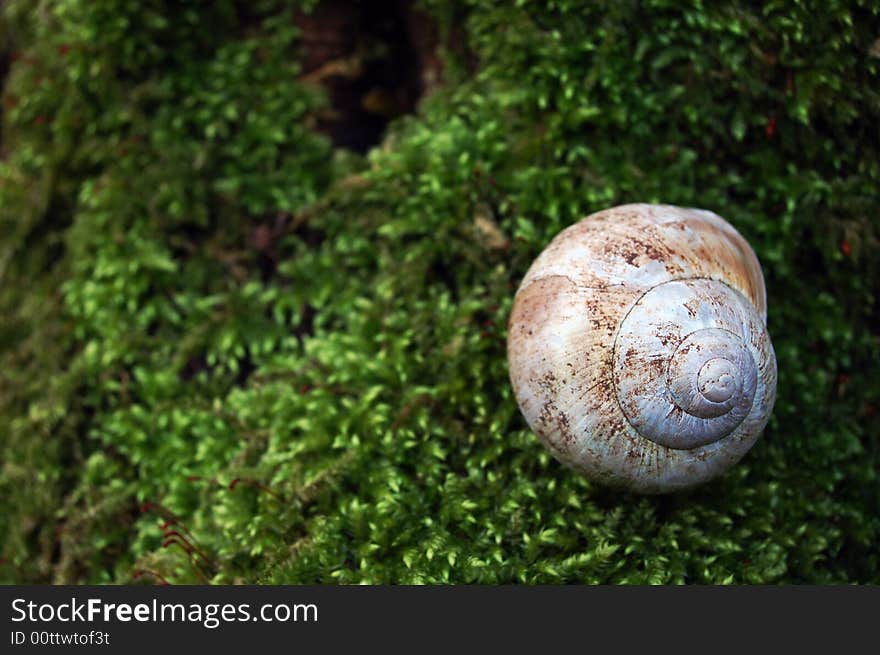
638	350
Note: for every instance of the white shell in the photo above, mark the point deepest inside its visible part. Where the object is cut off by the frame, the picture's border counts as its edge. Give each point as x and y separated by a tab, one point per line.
638	350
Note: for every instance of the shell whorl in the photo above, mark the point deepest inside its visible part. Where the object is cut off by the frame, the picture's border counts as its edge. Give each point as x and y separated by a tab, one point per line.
638	350
684	369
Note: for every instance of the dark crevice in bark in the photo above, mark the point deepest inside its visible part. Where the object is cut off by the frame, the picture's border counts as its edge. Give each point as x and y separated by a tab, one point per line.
374	59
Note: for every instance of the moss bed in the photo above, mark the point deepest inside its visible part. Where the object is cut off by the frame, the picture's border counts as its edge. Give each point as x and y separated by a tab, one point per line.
235	349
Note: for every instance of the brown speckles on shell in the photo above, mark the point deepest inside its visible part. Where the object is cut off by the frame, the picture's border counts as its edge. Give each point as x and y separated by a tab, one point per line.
564	323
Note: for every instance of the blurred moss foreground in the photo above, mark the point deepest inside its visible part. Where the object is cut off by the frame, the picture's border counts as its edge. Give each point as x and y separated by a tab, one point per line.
233	350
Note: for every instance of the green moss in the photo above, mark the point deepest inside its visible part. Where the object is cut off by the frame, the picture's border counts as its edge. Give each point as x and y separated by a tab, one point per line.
295	356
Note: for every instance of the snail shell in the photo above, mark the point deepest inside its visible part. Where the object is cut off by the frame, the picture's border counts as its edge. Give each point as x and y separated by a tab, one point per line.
637	347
